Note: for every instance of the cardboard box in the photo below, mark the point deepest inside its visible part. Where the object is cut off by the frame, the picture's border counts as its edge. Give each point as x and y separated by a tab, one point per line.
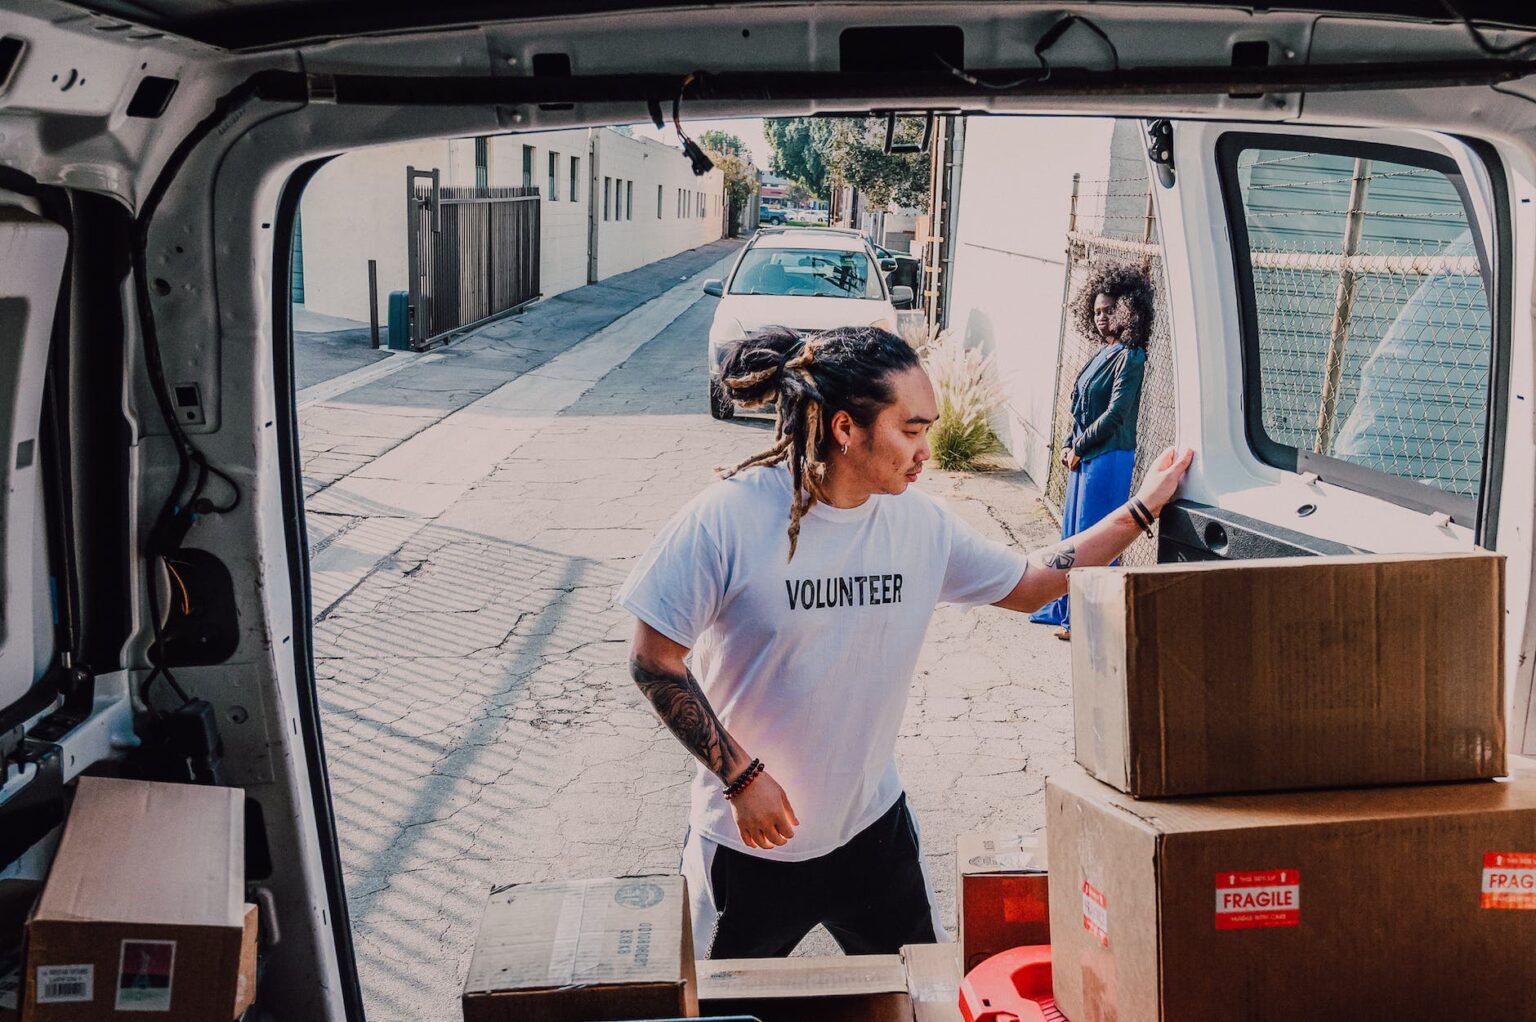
1304	672
933	981
583	950
1387	903
856	988
1000	895
143	910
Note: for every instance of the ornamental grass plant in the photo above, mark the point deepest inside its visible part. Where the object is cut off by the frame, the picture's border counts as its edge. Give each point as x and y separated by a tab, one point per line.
969	394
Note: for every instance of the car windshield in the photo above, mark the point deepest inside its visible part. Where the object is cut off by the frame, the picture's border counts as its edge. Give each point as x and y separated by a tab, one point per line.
806	271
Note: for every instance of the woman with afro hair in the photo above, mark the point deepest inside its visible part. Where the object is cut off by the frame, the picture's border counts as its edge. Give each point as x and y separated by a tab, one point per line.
1114	310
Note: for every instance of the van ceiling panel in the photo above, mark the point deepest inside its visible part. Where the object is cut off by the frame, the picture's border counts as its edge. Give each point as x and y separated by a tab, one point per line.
253	24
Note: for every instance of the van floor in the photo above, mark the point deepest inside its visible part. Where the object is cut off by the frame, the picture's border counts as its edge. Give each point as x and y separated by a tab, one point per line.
480	723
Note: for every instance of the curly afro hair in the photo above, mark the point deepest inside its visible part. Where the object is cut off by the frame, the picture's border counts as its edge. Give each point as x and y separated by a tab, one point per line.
1133	294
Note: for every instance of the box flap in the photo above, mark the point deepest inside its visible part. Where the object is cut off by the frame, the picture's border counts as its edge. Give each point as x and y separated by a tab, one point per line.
580	933
1099	643
733	979
139	851
981	853
933	981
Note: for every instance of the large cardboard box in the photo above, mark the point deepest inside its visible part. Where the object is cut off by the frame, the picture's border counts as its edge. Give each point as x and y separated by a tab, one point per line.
933	981
856	988
1304	672
1386	903
1000	894
144	910
583	950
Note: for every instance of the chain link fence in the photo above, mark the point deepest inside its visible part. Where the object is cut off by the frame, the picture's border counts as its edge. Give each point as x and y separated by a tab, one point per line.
1113	221
1374	328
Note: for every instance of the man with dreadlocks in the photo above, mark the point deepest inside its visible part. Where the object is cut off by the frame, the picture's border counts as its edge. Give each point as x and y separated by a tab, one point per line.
803	583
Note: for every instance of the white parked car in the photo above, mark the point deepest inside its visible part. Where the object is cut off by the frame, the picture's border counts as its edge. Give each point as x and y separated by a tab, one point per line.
807	279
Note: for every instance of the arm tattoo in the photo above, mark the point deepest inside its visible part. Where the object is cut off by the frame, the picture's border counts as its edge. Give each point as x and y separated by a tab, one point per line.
681	705
1061	557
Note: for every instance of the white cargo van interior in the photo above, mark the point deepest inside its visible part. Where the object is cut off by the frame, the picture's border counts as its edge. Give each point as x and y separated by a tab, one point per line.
156	608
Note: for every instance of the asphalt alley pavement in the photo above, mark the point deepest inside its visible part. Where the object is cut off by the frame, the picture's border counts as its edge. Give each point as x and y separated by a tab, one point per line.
470	521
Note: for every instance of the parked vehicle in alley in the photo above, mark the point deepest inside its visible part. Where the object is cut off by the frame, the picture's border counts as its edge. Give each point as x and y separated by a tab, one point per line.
807	279
771	215
901	269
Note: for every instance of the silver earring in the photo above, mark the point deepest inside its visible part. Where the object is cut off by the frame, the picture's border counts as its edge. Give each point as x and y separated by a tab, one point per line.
845	448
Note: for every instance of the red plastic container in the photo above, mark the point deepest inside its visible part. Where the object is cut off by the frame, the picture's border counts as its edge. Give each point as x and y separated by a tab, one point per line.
1012	986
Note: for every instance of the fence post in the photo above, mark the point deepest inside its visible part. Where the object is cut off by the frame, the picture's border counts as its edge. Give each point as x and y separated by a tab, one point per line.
1077	180
1054	468
373	300
1343	304
1146	233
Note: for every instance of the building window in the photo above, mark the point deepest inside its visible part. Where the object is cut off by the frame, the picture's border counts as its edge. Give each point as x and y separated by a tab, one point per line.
482	162
575	178
1370	335
607	194
629	200
658	202
527	166
554	176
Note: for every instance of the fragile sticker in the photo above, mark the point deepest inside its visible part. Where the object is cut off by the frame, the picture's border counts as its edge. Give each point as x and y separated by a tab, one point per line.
144	975
1509	880
62	984
1095	913
1257	899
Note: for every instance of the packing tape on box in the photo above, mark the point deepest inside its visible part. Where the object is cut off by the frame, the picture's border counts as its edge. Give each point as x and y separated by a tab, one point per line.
565	948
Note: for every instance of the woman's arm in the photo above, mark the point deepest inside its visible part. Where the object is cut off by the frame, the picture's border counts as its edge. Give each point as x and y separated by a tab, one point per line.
1045	573
1123	395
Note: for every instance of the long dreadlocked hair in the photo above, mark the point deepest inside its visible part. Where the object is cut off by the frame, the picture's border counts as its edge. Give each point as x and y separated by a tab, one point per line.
810	379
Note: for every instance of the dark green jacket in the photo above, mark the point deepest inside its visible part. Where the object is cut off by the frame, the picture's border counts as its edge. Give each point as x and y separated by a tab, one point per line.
1104	407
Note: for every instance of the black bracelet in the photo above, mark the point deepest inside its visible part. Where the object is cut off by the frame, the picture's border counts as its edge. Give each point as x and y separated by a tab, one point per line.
744	779
1136	516
1144	510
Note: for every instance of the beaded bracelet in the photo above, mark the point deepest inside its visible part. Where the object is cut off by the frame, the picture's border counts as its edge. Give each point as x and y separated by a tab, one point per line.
740	784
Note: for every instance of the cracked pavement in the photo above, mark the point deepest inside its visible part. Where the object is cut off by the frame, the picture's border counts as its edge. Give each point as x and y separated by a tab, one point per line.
480	724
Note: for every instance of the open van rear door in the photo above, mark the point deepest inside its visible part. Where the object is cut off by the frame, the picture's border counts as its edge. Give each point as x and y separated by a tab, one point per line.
1340	303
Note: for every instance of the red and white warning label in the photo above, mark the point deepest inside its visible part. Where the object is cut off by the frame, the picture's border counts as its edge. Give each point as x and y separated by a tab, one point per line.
1095	913
1509	880
1254	899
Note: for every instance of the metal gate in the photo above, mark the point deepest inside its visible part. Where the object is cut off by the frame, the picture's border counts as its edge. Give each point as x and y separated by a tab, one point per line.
473	254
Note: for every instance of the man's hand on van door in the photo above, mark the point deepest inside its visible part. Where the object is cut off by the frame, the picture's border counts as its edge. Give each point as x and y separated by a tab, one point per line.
1163	478
763	814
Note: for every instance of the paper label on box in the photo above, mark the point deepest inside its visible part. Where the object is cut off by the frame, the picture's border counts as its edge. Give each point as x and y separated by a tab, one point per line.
1095	913
1258	899
144	975
63	984
1509	880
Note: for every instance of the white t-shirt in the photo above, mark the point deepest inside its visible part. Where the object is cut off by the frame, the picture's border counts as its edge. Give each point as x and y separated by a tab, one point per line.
808	662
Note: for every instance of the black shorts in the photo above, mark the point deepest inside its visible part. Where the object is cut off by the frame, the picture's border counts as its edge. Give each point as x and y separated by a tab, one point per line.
870	894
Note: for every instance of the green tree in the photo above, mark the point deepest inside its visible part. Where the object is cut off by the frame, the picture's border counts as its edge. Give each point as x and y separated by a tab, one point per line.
723	143
856	154
734	159
799	147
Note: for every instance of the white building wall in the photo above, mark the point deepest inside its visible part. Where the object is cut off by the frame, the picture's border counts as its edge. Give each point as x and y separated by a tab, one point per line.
354	210
1010	260
640	236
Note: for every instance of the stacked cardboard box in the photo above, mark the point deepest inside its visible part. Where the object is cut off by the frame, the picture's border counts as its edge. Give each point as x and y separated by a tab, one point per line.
1369	902
1000	894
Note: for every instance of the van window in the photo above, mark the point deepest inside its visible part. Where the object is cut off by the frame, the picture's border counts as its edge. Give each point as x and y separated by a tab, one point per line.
1368	330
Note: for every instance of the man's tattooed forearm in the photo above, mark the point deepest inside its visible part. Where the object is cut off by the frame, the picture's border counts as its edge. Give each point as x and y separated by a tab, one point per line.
1061	557
682	707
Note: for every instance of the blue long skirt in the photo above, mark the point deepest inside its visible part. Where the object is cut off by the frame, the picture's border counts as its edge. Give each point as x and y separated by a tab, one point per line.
1094	490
